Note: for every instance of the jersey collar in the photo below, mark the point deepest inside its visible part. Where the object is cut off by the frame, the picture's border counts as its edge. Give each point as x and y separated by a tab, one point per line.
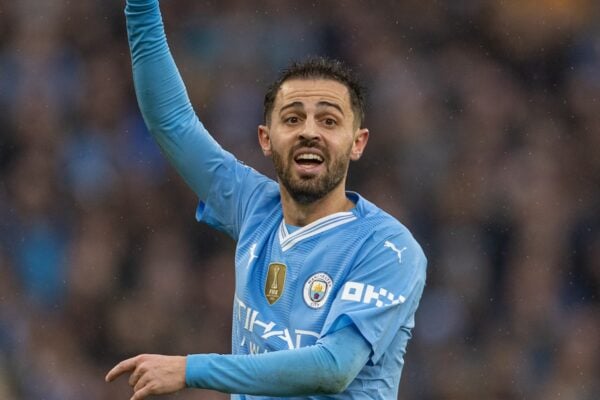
288	240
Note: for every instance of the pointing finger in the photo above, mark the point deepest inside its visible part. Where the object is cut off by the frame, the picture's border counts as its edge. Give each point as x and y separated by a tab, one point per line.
120	368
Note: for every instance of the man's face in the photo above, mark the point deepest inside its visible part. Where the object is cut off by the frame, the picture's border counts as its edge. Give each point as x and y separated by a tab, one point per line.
312	137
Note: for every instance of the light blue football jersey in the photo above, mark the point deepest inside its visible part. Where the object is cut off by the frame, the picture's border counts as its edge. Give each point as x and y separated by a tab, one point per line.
360	267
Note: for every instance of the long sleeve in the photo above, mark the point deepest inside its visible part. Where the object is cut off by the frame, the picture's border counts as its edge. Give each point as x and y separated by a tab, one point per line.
164	102
324	368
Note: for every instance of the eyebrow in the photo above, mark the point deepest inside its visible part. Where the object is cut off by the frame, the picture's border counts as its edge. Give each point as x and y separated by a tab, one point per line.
328	104
320	104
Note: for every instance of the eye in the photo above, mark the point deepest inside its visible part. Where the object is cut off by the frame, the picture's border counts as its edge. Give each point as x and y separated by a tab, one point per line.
291	120
330	122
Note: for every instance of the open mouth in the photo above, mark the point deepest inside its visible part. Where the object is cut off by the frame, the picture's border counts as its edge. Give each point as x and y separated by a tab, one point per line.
308	159
308	164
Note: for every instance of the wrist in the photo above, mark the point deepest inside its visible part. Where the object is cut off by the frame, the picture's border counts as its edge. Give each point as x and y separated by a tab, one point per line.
141	5
195	369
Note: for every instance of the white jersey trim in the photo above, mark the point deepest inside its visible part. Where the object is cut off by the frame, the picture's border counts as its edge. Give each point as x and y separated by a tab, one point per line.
288	240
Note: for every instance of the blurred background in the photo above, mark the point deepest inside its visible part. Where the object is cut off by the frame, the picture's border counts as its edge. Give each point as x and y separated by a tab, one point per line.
485	142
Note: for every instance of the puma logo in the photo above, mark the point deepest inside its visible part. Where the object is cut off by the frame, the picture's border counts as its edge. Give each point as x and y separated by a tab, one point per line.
395	249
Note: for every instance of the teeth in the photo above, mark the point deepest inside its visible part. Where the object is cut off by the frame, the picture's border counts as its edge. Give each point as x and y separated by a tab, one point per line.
309	156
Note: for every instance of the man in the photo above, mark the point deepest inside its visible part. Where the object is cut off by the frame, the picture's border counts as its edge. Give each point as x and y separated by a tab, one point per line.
327	284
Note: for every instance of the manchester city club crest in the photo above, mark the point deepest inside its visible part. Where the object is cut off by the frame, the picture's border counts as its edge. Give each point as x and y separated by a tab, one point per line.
317	289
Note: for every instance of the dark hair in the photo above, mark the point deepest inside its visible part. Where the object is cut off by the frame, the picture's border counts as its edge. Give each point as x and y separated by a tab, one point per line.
320	68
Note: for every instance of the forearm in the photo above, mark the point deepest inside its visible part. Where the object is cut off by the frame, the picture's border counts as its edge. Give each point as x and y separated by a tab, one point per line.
163	99
325	368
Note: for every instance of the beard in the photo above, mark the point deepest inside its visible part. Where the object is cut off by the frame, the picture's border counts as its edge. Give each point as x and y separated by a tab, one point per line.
306	190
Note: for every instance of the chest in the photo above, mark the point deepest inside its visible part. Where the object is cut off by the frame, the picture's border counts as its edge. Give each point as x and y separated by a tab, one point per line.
285	292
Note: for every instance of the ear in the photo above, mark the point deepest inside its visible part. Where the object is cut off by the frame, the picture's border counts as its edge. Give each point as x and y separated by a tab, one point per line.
264	140
361	137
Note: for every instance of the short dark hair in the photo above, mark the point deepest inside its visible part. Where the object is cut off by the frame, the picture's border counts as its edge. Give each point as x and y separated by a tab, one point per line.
320	68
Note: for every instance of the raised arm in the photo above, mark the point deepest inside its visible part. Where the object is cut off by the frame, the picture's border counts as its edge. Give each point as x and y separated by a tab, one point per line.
163	99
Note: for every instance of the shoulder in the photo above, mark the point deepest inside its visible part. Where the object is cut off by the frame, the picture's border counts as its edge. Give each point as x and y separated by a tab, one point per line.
236	173
387	238
259	194
381	225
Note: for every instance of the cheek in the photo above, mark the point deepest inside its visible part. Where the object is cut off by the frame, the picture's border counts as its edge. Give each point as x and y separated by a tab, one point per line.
344	147
280	144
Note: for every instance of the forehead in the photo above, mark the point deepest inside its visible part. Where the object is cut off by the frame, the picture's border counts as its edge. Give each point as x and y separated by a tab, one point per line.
312	91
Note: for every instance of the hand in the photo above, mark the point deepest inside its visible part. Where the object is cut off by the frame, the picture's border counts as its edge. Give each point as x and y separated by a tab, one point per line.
151	374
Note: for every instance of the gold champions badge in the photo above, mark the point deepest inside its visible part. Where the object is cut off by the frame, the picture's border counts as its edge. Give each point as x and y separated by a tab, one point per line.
275	282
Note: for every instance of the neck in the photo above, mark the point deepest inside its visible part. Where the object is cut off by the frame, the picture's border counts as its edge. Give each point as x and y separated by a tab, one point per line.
298	214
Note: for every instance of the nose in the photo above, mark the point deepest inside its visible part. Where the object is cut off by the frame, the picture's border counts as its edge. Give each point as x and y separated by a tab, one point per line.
309	130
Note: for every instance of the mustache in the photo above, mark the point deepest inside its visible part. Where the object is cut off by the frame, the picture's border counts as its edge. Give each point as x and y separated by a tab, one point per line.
309	143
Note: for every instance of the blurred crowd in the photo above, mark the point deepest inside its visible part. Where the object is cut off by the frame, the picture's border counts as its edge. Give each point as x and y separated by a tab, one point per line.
485	142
